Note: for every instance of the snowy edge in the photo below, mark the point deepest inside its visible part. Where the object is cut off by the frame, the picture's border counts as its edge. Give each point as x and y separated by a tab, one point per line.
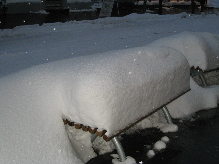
118	21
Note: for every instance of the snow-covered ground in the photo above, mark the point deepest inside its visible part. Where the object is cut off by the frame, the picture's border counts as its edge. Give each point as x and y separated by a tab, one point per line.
32	87
214	3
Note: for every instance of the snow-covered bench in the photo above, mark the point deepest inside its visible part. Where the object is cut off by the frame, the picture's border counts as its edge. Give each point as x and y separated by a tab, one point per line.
201	49
106	92
117	89
202	52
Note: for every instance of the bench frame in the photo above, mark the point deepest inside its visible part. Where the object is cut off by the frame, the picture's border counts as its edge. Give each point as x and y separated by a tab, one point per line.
114	139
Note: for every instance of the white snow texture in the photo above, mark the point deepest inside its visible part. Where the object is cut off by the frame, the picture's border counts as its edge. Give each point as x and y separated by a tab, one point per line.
94	90
92	86
201	49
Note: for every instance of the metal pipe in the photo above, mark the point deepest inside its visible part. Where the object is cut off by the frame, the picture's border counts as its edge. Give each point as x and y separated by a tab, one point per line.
203	79
194	72
167	115
119	149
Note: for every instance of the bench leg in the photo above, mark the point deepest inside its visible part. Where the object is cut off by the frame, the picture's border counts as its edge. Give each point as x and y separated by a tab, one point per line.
119	149
194	72
116	143
201	76
167	115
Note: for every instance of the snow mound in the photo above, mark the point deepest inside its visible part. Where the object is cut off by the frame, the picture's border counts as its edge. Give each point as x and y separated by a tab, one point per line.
196	99
200	48
129	160
169	128
150	154
31	124
159	145
165	139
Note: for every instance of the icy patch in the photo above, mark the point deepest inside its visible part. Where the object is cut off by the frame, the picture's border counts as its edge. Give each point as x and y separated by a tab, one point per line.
169	128
129	160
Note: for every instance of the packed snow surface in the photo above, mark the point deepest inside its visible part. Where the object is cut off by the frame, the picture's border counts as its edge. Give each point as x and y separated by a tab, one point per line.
33	101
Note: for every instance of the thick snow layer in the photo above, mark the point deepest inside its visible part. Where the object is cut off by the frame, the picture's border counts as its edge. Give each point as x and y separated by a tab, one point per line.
94	90
121	83
196	99
200	49
31	121
81	141
31	125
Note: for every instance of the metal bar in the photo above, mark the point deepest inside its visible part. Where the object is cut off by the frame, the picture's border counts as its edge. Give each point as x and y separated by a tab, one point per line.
194	72
167	115
119	149
203	79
